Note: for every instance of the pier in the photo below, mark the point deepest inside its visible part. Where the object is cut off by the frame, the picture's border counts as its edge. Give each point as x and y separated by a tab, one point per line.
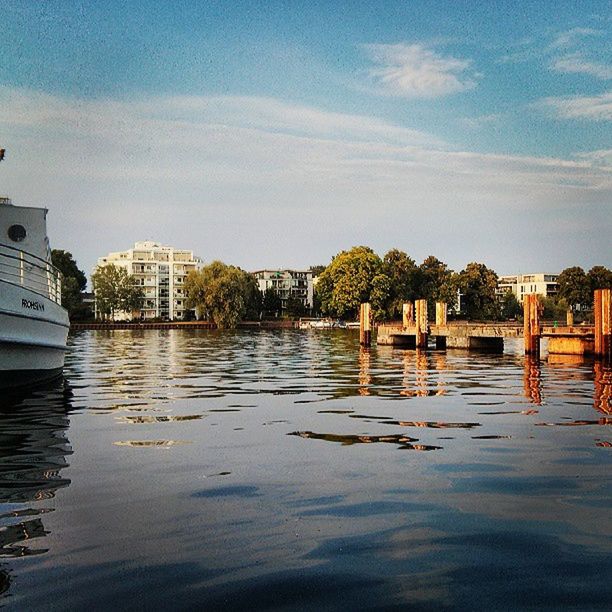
415	330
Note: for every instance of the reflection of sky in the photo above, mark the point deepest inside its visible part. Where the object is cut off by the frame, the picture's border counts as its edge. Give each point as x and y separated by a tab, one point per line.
183	468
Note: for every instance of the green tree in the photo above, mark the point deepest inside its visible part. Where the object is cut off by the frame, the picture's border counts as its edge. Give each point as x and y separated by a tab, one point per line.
478	284
115	291
437	283
554	308
379	297
574	287
295	307
252	296
348	281
405	280
74	282
510	306
218	291
599	277
272	304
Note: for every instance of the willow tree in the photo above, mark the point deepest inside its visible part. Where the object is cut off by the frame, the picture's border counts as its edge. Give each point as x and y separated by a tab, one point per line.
219	292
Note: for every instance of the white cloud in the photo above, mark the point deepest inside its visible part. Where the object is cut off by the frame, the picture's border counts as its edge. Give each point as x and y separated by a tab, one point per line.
260	182
591	108
413	71
576	63
569	38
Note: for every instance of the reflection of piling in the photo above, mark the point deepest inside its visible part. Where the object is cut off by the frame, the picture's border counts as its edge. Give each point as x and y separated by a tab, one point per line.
365	329
420	307
532	380
603	323
602	379
407	314
531	324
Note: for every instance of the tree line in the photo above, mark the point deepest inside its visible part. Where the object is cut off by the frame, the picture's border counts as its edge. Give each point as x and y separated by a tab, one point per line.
227	294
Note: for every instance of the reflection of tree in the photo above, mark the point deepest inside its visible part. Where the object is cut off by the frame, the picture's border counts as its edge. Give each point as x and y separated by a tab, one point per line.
532	380
602	399
33	450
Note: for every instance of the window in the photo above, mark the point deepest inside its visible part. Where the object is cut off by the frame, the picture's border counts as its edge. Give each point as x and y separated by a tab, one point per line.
17	233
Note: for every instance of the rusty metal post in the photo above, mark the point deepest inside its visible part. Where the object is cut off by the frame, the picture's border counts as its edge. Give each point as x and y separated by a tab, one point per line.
365	330
407	314
441	313
420	307
603	323
531	324
569	317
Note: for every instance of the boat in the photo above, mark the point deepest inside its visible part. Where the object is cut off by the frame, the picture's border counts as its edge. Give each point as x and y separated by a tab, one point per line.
33	324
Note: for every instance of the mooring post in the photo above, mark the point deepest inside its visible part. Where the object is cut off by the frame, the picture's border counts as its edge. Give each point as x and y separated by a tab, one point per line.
407	314
420	308
441	312
365	331
603	323
569	317
531	324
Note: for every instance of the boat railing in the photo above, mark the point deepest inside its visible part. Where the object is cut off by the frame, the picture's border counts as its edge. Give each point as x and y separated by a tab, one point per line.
31	272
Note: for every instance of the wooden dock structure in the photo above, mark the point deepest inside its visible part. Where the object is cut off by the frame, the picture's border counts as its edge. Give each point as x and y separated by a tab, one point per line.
415	330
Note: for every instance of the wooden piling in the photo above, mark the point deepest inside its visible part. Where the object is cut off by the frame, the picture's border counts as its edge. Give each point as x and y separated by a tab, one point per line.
603	323
569	317
420	307
441	313
407	314
365	330
531	324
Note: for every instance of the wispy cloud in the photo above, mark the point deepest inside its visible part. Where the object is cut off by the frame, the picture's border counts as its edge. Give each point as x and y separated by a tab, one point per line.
569	38
577	63
591	108
414	71
223	174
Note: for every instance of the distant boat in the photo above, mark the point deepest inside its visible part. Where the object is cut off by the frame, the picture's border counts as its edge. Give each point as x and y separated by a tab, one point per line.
33	324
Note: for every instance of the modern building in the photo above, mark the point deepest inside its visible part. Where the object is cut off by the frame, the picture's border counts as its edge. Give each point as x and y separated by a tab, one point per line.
161	272
296	284
522	284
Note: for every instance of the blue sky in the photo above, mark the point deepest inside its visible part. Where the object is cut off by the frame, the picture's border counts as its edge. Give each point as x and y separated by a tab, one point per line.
276	134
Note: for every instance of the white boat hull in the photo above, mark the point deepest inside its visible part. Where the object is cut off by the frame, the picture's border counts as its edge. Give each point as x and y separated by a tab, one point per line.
33	334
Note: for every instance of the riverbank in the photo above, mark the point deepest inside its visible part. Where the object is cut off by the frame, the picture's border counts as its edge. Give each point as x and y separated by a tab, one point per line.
278	324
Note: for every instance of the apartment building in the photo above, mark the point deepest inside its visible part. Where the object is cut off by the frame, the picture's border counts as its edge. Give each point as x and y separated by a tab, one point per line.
296	284
161	271
522	284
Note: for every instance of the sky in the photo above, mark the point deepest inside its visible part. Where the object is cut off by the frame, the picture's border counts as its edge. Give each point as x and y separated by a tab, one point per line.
276	134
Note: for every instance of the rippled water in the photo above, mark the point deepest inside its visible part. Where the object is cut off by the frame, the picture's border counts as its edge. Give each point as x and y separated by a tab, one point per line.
180	469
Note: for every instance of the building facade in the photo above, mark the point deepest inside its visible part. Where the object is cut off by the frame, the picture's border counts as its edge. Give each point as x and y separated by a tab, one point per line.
522	284
161	272
296	284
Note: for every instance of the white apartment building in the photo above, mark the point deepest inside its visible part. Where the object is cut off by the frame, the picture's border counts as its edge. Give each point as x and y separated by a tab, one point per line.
161	272
522	284
295	284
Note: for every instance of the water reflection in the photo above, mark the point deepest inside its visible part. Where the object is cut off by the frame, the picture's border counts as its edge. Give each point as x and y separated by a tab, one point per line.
33	452
259	470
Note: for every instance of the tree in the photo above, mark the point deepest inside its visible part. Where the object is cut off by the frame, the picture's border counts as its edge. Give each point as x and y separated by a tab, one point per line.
220	292
379	296
478	285
510	307
252	296
574	287
295	307
437	283
347	281
405	279
316	270
599	278
74	282
271	303
115	291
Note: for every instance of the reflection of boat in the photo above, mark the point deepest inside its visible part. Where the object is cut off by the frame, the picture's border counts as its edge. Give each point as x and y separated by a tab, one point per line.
33	324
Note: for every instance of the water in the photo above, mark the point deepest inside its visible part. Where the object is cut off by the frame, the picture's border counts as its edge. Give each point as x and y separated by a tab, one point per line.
288	470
